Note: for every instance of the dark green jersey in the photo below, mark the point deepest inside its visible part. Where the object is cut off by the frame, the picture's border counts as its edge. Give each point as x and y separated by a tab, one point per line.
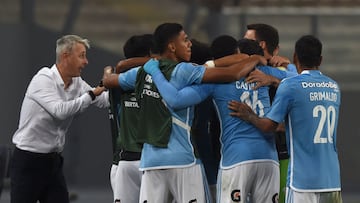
124	123
155	120
127	140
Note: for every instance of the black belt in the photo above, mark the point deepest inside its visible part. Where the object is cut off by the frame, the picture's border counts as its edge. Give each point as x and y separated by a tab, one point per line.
129	156
37	154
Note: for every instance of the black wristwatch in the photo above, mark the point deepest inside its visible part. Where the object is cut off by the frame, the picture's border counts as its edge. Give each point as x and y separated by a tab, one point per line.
92	95
101	84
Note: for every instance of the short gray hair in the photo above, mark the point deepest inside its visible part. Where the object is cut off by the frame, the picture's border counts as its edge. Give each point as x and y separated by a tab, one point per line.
67	42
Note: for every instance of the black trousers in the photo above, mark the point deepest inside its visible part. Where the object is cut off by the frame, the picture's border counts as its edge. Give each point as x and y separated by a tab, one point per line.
37	177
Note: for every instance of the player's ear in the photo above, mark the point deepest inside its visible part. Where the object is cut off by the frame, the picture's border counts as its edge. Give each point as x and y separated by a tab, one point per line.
262	44
172	47
276	51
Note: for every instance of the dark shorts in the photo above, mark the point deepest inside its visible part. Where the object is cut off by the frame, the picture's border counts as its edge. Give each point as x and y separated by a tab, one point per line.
37	176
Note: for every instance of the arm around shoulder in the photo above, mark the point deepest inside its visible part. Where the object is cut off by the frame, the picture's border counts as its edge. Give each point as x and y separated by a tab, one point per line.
229	60
233	72
127	64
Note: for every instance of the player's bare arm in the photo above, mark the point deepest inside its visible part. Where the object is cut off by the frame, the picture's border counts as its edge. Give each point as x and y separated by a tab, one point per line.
261	79
279	61
233	72
127	64
244	112
229	60
110	79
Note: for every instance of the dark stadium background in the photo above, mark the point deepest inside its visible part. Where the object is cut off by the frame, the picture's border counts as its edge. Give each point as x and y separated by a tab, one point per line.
29	28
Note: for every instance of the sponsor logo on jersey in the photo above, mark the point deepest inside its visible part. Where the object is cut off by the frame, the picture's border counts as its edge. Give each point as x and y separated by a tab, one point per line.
147	86
236	196
148	78
150	93
131	104
132	98
193	201
147	89
320	85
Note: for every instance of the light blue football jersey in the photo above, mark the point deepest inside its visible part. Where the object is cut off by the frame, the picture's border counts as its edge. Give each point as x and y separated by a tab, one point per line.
180	152
309	104
241	141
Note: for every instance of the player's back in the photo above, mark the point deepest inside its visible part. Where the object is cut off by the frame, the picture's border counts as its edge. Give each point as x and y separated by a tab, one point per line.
241	141
312	123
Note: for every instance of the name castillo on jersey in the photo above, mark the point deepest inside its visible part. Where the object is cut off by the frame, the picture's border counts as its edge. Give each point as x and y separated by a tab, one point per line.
330	95
244	85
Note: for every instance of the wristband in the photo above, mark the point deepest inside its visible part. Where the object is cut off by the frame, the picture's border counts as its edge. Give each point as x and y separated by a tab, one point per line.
92	95
210	63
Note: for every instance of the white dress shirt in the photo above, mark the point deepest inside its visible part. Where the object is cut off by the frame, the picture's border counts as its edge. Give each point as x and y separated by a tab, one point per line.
48	110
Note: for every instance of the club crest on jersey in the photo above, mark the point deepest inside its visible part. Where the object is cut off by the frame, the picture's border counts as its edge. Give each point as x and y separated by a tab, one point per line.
236	196
275	198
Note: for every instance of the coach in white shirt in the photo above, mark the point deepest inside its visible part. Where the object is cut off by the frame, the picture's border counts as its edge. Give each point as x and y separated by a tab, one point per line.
54	96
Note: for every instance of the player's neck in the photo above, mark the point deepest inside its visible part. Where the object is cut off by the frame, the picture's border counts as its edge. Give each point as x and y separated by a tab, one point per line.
310	68
169	56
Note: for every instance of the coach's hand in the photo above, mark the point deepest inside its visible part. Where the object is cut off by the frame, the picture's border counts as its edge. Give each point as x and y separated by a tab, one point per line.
98	90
